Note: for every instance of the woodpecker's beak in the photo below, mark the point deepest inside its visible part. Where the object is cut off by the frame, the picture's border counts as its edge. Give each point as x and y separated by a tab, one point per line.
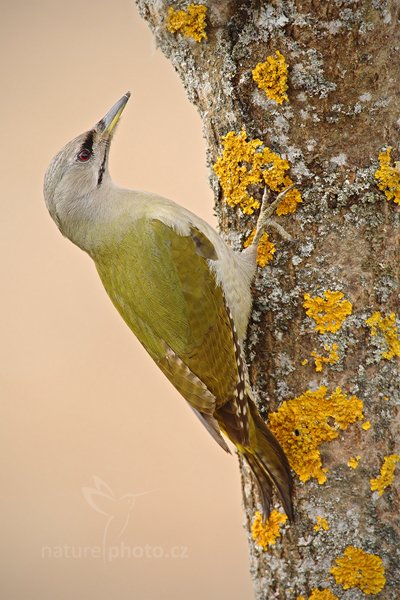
107	124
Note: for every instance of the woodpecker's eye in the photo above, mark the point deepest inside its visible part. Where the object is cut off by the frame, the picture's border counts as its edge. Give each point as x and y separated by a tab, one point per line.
84	155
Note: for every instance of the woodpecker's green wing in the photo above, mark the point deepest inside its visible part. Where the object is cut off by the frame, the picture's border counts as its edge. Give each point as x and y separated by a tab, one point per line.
163	287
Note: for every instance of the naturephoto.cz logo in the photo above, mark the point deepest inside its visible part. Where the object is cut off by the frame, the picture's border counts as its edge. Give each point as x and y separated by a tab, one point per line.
117	513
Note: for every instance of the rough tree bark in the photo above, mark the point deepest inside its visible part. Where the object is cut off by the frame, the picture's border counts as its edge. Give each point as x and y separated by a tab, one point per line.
342	111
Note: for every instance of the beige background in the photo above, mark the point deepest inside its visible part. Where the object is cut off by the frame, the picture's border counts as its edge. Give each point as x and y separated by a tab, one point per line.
80	398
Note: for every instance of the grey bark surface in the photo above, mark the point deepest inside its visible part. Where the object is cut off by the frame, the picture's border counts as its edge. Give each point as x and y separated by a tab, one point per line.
343	109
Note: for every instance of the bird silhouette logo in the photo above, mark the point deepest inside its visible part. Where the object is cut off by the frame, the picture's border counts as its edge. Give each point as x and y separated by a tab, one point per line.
103	500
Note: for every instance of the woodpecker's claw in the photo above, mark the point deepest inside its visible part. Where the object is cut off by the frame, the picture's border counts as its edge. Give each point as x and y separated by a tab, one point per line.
266	211
282	232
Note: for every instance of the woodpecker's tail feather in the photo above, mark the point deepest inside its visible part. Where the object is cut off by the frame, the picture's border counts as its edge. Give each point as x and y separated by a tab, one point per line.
268	464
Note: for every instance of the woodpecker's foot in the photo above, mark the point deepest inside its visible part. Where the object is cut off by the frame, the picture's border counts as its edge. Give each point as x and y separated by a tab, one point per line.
266	211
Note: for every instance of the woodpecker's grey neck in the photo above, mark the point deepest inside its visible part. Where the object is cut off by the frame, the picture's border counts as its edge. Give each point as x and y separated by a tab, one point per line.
84	219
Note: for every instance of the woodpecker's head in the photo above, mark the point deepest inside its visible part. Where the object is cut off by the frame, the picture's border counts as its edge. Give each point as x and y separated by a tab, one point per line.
80	169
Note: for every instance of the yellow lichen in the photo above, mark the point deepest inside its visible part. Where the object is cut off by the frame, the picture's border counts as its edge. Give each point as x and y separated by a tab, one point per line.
328	313
357	568
302	424
353	462
266	249
387	474
190	22
247	163
387	326
266	533
321	523
331	359
304	362
320	595
271	76
388	176
289	202
366	425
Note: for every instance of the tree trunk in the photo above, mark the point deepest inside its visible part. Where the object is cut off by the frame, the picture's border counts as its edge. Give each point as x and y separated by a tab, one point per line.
342	111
